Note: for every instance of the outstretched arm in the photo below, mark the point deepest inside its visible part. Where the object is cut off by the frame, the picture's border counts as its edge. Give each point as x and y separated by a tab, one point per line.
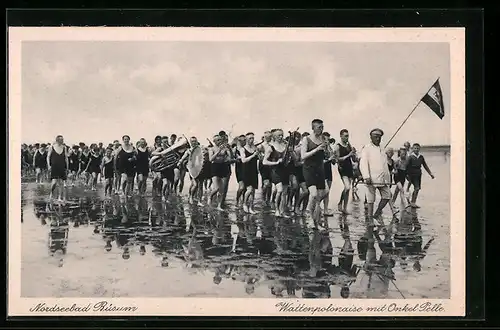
424	164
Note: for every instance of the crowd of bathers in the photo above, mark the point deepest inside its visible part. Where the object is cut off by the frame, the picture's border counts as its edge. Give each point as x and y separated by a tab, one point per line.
292	170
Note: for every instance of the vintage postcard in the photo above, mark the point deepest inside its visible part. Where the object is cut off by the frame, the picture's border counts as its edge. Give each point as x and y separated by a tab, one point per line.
236	172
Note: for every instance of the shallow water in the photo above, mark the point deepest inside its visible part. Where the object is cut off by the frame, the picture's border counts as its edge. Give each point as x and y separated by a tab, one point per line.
141	247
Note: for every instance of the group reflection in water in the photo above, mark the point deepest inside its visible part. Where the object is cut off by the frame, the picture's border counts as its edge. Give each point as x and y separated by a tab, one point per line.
258	250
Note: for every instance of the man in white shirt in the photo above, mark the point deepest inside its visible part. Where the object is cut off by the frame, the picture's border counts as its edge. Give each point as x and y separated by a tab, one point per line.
376	175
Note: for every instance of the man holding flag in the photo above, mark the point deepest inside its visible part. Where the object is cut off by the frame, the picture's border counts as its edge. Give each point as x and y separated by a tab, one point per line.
434	100
376	175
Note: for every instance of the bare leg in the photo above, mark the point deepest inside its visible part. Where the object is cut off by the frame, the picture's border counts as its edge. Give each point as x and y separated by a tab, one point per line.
182	177
402	195
311	206
326	199
414	196
396	192
117	182
123	183
284	200
140	182
200	192
59	184
278	199
157	183
293	193
165	189
38	174
303	198
94	181
52	188
130	185
380	207
225	186
321	195
177	176
273	195
344	197
266	192
64	192
107	186
240	193
369	213
192	190
248	200
216	182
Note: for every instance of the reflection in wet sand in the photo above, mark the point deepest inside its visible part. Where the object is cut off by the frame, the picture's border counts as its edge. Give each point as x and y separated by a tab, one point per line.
205	252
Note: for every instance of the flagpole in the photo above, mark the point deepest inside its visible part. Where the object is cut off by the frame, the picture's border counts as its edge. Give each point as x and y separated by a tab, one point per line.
415	108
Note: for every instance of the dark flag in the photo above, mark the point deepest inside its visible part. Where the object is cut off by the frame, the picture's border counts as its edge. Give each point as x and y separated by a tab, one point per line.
434	99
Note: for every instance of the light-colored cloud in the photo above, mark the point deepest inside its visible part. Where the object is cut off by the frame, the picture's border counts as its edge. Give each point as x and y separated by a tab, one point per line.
55	74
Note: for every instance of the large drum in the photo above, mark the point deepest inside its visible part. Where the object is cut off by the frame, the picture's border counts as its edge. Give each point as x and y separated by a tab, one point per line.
169	160
195	162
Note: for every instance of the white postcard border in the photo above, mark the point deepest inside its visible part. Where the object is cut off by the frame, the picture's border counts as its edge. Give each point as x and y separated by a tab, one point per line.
455	306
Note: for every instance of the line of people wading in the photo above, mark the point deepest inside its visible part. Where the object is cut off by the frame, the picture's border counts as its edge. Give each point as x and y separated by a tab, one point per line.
295	187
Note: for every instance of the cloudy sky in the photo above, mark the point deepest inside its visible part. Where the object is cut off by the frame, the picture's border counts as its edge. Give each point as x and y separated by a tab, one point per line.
98	91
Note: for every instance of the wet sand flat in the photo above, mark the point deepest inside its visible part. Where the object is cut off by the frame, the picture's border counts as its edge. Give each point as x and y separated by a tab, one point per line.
142	247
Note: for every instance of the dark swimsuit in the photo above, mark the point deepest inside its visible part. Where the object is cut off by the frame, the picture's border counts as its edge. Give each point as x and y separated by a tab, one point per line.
250	172
206	172
126	163
313	168
239	168
142	163
279	173
41	160
400	175
328	171
220	168
299	173
265	171
84	160
345	166
73	162
25	157
29	158
109	169
95	162
58	165
414	169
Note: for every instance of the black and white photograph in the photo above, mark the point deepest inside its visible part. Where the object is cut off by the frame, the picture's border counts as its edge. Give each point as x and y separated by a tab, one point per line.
270	169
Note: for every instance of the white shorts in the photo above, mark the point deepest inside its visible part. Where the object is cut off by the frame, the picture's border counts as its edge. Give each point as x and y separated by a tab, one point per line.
385	193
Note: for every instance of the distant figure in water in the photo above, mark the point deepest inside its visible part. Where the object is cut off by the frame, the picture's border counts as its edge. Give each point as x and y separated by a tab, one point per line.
414	169
58	164
400	174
